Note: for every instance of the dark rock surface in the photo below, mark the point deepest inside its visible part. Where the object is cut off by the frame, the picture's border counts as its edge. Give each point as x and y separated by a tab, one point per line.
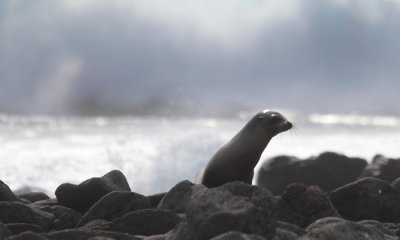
384	168
6	194
345	230
367	198
302	205
237	236
81	197
17	228
323	170
234	206
16	212
155	199
115	204
66	218
28	236
4	232
145	222
34	196
79	234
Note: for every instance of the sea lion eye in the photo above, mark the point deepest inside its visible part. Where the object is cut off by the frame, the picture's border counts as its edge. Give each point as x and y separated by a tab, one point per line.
275	117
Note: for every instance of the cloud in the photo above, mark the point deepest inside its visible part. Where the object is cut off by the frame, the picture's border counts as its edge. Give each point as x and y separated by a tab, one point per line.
150	55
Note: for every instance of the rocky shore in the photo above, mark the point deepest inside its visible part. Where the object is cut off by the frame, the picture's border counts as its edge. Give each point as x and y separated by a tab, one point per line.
327	197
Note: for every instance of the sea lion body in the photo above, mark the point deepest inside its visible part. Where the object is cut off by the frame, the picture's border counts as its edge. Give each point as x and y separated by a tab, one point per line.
235	161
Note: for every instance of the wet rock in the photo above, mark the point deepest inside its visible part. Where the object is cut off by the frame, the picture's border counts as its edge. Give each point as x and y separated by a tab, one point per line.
115	204
393	227
237	236
4	232
17	228
384	168
81	197
277	173
302	205
145	222
367	198
235	206
47	202
344	230
34	196
97	224
15	212
6	194
323	221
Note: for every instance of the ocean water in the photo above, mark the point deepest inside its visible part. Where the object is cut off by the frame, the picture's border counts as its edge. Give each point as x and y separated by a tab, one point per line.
155	153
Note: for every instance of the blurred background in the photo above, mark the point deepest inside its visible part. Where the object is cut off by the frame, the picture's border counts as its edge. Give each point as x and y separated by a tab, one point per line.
98	57
91	85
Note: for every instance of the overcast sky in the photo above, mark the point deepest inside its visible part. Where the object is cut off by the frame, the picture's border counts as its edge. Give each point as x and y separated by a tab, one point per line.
206	56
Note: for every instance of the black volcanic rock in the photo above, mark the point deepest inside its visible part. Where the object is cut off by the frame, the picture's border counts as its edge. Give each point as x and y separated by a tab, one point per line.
155	199
235	206
79	234
367	198
66	218
17	228
81	197
115	204
145	222
4	232
237	236
28	236
6	194
34	196
302	205
328	170
344	230
384	168
16	212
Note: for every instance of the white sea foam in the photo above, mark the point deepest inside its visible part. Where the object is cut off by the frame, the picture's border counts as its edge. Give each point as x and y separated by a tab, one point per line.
156	153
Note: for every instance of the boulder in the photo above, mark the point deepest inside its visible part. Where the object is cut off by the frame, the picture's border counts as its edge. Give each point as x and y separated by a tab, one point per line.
237	236
6	194
81	197
16	212
79	234
17	228
328	170
34	196
302	205
344	230
235	206
145	222
4	232
384	168
367	198
115	204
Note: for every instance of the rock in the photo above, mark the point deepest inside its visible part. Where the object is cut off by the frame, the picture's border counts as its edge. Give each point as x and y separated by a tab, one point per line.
237	236
66	218
6	194
367	198
4	232
344	230
79	234
17	228
328	170
155	199
179	197
302	205
34	196
283	234
97	224
47	202
81	197
235	206
157	237
28	236
323	221
393	227
16	212
384	168
298	231
145	222
115	204
378	225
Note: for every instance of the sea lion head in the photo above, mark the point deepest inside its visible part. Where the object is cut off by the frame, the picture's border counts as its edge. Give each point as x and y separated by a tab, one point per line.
272	121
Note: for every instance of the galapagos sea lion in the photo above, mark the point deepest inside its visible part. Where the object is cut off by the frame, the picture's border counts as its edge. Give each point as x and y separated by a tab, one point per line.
235	161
